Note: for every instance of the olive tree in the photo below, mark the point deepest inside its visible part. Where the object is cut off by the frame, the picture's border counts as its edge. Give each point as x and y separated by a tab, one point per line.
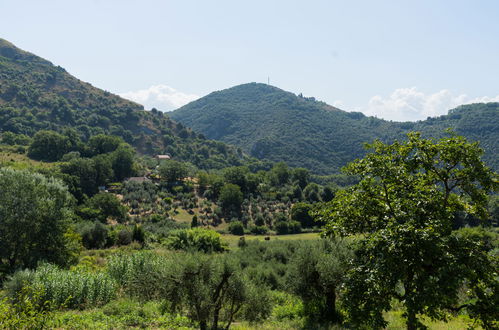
403	209
317	270
34	215
210	288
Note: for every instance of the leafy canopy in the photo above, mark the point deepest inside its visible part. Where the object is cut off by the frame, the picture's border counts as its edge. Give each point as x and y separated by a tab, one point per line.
34	217
404	208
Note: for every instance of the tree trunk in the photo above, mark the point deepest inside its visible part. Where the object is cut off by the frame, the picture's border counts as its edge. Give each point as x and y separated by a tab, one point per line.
412	320
331	314
202	325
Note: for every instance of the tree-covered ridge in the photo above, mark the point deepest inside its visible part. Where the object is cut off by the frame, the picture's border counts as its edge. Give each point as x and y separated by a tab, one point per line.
270	123
36	95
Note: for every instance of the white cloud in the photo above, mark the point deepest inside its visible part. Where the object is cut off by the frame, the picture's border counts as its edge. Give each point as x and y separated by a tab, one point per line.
409	104
161	97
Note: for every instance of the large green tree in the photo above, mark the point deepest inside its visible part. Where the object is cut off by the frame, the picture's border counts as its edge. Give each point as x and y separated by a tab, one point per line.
403	208
49	146
172	171
34	219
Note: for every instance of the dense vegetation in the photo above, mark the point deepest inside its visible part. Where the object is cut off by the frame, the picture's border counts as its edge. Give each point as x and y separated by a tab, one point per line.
95	235
111	252
36	95
269	123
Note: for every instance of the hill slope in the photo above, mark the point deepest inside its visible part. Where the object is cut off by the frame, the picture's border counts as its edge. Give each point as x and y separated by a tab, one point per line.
270	123
36	95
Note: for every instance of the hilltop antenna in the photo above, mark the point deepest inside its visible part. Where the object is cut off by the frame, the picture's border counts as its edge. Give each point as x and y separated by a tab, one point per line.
268	80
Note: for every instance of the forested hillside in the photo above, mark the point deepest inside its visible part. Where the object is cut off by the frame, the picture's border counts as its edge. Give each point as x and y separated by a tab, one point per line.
36	95
270	123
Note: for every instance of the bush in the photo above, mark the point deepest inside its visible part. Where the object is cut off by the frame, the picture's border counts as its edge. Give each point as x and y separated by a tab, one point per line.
196	239
29	311
259	230
124	237
294	227
93	235
236	228
282	228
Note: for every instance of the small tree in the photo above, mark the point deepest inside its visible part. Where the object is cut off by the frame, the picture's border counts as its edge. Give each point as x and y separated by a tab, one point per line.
108	205
194	222
301	212
236	228
172	171
210	288
404	208
231	198
317	270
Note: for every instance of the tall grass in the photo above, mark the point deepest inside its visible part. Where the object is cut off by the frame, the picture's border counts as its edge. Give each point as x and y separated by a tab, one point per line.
64	288
143	275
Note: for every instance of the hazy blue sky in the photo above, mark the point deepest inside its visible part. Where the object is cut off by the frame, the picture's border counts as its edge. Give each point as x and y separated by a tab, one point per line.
396	59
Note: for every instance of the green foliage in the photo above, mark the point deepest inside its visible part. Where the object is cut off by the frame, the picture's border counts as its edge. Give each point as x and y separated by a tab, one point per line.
301	212
236	228
143	275
196	239
64	288
122	162
172	171
49	146
138	234
317	270
404	207
259	230
107	206
266	262
211	289
288	227
103	144
34	217
94	235
29	311
36	95
273	124
231	198
121	314
15	139
287	306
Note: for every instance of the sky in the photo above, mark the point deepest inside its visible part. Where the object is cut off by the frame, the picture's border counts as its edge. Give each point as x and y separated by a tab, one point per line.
397	60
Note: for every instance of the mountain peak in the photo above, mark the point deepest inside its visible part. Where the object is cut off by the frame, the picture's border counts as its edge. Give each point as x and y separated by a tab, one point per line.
268	122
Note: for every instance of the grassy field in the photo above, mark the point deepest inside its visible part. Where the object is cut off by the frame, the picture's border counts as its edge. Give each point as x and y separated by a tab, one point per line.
233	239
10	158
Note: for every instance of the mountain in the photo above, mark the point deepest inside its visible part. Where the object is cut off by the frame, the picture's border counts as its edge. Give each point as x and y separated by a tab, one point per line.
36	95
269	123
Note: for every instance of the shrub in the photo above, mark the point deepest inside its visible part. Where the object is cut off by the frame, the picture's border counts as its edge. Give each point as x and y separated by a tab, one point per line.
196	239
236	228
93	235
282	228
29	311
124	237
138	234
259	230
294	227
